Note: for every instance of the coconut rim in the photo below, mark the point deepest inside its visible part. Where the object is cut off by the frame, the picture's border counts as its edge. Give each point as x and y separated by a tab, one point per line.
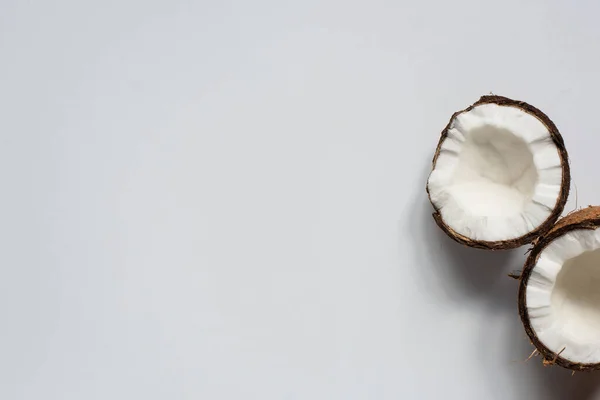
564	187
587	218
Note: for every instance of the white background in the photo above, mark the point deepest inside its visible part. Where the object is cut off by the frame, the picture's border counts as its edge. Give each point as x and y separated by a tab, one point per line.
226	199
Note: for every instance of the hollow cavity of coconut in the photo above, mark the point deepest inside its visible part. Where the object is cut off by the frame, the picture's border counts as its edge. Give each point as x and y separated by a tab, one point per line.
500	174
559	292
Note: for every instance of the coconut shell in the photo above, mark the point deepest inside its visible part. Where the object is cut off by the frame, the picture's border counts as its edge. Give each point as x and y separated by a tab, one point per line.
560	201
588	218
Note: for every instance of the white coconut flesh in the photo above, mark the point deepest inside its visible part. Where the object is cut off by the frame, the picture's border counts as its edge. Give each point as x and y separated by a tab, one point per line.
498	174
563	296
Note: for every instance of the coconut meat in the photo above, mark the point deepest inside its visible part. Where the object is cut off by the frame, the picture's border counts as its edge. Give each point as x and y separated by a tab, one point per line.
563	296
498	173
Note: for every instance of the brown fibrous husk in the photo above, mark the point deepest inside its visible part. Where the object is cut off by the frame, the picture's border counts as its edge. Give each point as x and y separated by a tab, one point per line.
564	188
587	218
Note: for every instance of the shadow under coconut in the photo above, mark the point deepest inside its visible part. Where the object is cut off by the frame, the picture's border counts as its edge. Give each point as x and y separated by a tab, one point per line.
560	383
503	346
461	274
545	382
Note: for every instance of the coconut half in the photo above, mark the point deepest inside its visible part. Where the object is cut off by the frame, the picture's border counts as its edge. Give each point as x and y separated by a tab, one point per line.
500	174
559	292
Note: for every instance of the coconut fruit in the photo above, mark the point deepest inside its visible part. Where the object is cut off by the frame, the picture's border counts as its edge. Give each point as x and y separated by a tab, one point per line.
559	292
500	175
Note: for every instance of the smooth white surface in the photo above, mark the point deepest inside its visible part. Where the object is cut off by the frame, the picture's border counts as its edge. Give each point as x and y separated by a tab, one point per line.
226	200
563	297
498	173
